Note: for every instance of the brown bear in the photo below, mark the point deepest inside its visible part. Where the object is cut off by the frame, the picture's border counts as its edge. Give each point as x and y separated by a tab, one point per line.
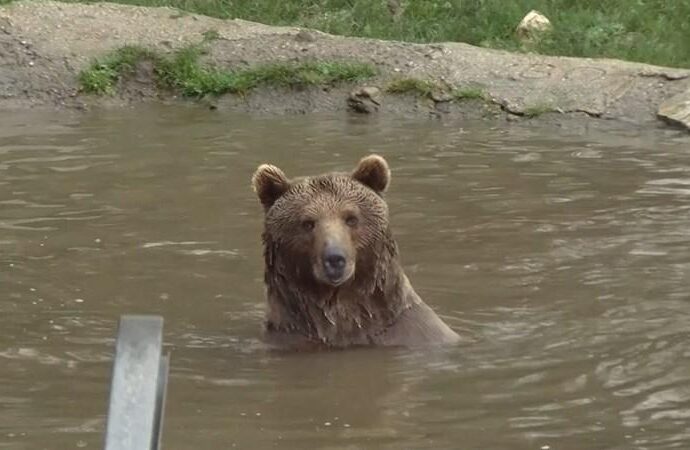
333	274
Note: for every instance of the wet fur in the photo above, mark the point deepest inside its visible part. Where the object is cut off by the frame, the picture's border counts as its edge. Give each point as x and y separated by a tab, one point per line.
378	305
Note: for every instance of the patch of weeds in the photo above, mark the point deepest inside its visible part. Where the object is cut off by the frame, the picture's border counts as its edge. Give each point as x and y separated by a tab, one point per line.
537	110
211	35
417	86
470	93
435	90
101	76
98	79
182	71
308	73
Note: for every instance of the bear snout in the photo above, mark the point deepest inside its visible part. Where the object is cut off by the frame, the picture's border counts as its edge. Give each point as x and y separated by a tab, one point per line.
334	263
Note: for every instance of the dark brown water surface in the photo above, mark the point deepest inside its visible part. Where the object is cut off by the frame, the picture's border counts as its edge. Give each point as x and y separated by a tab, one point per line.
562	257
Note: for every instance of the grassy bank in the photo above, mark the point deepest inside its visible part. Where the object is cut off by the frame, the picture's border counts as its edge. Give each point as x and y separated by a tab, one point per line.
652	31
183	72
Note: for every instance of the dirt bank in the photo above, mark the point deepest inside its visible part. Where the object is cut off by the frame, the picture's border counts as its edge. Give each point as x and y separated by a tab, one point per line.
44	45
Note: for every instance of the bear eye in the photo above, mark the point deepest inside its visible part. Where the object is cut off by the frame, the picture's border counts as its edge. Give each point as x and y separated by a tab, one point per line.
308	225
351	221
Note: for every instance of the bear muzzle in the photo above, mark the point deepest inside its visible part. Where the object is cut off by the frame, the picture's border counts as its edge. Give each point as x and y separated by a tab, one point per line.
335	267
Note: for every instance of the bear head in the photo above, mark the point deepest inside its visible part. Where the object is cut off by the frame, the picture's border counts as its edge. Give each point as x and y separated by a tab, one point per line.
327	230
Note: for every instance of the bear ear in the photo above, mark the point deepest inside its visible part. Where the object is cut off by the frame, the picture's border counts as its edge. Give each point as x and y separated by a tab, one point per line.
269	183
373	171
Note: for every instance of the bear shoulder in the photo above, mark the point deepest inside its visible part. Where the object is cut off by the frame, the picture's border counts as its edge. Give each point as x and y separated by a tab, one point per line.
417	325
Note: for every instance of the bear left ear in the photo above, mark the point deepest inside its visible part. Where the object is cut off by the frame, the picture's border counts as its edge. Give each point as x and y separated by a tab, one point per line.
269	183
373	171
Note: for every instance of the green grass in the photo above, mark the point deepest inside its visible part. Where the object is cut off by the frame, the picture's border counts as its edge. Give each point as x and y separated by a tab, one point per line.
427	88
101	77
416	86
470	93
652	31
183	72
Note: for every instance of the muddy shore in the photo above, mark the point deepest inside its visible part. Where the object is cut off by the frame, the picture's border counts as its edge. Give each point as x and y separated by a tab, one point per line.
44	46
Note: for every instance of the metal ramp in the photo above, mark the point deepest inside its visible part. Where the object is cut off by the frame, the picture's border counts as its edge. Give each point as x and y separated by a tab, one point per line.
138	386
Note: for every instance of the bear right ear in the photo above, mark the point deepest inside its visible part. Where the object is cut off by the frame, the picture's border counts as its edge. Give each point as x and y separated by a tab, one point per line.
373	171
269	183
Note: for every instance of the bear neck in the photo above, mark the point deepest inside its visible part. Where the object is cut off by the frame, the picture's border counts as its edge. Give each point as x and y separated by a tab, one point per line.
351	314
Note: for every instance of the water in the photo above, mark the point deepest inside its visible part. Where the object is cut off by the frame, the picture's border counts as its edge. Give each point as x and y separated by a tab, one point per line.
561	256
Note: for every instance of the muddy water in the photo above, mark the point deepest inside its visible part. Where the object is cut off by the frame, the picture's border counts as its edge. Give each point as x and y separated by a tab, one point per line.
562	257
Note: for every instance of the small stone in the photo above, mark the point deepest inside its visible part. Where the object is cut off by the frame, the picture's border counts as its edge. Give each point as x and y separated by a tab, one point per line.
533	24
305	36
365	100
441	97
435	53
370	92
327	424
78	300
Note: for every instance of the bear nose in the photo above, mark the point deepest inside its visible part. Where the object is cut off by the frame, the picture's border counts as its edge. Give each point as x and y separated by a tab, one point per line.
334	262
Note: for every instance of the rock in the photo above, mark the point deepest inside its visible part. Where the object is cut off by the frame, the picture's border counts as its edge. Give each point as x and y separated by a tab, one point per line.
305	36
676	109
435	51
441	97
532	25
365	100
